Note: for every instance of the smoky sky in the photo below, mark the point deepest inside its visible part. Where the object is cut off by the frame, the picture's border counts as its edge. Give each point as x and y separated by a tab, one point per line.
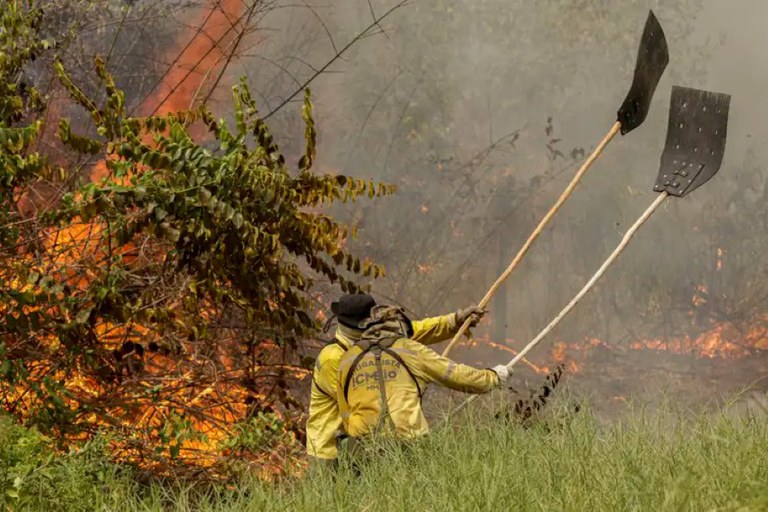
420	103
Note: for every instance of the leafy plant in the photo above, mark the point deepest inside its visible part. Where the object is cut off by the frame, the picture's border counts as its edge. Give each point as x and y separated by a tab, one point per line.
164	298
262	432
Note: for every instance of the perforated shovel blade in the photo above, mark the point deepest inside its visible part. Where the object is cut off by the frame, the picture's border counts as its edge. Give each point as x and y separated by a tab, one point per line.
698	121
652	60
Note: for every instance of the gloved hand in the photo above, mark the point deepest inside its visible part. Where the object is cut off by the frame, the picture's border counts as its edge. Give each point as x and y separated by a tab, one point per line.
472	313
503	372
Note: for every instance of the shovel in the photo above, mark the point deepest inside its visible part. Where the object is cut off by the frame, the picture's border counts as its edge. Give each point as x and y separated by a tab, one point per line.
652	59
693	152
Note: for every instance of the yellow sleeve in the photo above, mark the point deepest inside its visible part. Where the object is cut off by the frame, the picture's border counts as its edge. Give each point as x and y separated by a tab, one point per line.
327	368
433	367
434	330
324	419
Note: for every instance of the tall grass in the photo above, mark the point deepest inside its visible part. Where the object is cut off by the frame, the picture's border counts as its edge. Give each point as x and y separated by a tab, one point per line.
655	461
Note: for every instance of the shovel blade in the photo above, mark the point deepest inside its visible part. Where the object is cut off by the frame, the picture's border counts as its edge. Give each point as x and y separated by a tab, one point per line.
652	60
698	121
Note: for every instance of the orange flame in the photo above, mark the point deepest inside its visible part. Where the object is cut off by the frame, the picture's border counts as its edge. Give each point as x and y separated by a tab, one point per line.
723	341
198	58
78	250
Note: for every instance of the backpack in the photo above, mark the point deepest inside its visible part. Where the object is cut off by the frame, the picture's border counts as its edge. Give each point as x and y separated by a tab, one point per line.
386	325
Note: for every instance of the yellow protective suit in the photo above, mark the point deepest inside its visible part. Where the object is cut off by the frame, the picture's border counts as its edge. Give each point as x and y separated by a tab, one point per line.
406	367
324	420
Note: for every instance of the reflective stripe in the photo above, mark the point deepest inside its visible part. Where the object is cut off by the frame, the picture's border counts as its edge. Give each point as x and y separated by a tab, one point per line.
406	351
449	370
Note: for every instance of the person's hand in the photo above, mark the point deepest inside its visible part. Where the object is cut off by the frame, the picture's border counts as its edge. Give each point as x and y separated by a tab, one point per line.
503	372
472	313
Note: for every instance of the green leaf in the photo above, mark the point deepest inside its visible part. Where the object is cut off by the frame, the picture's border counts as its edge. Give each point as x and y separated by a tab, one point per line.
102	292
82	316
310	135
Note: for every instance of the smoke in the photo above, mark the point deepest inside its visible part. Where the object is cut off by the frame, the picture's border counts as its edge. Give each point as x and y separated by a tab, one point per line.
480	112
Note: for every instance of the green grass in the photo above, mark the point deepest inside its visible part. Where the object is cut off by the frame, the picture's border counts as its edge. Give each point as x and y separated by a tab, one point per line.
660	461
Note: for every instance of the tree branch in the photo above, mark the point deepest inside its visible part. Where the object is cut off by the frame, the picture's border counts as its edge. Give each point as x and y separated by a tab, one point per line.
337	56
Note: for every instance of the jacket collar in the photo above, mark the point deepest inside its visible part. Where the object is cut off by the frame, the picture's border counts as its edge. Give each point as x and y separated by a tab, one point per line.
347	336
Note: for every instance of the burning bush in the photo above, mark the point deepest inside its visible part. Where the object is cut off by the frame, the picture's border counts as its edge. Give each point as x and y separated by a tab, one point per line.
165	299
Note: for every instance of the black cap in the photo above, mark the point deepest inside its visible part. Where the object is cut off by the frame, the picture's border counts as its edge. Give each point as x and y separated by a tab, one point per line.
352	309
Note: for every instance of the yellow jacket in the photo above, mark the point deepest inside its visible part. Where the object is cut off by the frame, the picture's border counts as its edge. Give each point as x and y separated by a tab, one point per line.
324	419
361	407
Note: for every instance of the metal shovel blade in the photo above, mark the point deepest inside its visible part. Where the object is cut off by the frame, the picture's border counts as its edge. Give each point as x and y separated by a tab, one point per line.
652	60
698	121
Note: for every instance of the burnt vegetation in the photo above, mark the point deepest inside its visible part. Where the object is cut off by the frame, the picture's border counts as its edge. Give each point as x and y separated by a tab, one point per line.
530	410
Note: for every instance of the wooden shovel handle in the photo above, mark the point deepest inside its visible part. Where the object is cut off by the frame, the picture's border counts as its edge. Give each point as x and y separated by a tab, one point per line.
592	281
536	232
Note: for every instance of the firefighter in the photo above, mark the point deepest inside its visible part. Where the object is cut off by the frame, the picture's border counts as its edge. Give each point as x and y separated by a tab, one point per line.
382	378
324	422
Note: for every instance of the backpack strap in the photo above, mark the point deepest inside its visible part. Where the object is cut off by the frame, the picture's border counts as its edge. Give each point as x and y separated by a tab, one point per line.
335	341
399	359
314	383
351	371
384	410
339	343
385	348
